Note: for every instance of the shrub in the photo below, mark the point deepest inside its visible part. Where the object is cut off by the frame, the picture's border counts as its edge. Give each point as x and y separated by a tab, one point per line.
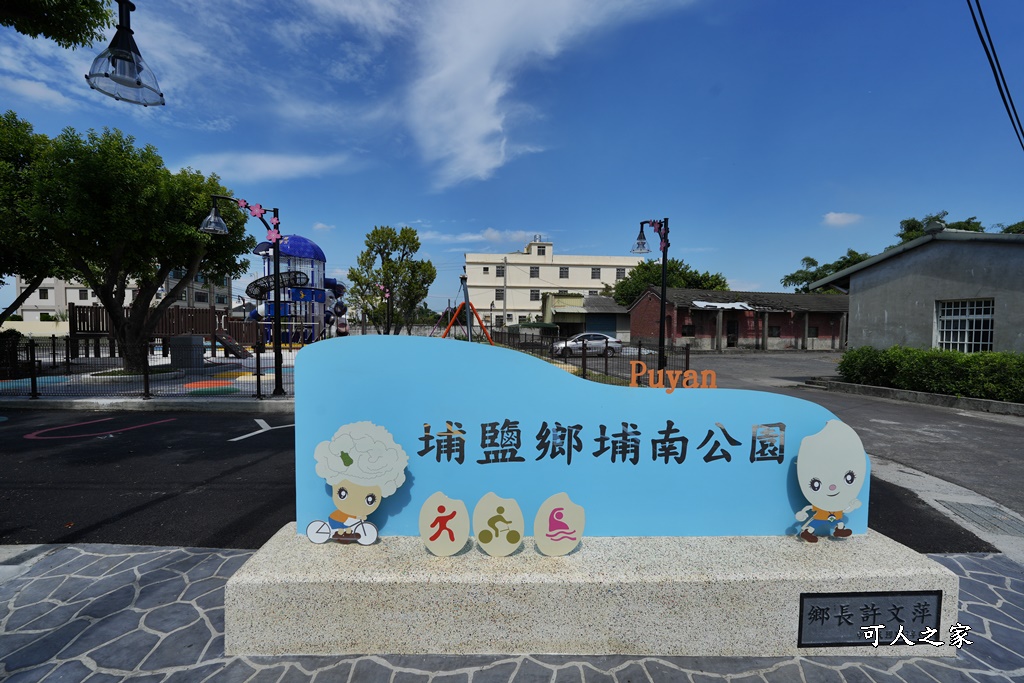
988	375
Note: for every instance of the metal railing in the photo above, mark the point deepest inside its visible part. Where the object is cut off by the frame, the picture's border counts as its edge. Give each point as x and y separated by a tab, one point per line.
608	362
66	367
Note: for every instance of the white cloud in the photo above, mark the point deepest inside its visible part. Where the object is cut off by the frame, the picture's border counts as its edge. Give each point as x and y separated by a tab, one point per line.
234	167
840	219
322	226
469	54
486	235
36	91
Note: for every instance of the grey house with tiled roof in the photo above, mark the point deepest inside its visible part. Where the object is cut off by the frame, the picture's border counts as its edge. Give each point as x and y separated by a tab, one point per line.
950	289
575	313
716	320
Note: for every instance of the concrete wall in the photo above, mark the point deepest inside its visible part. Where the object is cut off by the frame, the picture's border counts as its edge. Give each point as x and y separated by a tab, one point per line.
893	302
36	328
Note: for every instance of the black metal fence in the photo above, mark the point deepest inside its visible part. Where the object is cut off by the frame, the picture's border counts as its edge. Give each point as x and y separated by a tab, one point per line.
62	366
603	360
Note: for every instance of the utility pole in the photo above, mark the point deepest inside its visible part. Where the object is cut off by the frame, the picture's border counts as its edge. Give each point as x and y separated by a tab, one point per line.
469	313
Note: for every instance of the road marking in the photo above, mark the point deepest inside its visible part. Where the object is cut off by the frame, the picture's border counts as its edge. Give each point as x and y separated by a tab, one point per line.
263	427
37	434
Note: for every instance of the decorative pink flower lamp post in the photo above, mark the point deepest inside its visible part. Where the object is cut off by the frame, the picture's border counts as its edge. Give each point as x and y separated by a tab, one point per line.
215	225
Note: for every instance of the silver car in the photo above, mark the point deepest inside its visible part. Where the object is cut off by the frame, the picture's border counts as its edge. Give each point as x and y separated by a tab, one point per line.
596	344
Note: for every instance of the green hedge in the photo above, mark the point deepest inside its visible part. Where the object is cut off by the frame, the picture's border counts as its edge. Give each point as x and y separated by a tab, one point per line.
990	375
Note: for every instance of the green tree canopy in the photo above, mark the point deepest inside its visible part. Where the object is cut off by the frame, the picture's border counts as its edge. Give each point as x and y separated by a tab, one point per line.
680	275
21	255
912	228
114	216
811	271
388	282
69	23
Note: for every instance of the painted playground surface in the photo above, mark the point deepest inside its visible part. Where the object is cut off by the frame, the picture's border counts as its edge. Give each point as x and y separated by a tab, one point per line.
218	376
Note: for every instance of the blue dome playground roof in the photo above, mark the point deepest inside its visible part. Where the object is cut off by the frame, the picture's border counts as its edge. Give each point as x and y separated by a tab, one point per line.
297	246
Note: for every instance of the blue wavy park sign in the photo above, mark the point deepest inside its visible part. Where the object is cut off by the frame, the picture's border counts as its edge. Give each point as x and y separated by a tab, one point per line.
417	416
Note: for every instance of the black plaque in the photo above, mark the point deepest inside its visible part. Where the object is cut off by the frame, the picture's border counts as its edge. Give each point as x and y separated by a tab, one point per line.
870	619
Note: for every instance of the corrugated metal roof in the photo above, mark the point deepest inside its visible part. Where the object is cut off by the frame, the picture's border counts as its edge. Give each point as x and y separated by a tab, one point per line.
757	301
602	304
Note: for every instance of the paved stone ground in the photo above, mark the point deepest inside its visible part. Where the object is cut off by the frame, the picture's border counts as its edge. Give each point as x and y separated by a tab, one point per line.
102	613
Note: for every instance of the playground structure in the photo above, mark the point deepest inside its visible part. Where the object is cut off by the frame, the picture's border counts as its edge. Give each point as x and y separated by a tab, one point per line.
311	306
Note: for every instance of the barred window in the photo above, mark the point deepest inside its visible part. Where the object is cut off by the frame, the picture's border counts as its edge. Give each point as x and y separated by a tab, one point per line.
620	273
964	325
534	271
499	271
595	273
499	294
563	272
534	295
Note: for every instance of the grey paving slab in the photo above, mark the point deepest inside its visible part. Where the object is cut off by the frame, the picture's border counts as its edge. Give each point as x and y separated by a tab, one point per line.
110	613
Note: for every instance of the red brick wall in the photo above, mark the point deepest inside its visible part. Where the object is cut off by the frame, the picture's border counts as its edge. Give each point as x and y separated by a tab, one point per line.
644	317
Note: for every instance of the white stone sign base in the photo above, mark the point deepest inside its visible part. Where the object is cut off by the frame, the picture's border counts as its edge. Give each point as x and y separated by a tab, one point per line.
669	596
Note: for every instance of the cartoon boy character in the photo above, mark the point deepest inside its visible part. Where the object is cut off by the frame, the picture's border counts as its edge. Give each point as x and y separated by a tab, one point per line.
362	464
830	466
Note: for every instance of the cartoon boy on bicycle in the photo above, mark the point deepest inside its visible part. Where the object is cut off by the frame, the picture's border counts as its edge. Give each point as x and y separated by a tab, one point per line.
361	464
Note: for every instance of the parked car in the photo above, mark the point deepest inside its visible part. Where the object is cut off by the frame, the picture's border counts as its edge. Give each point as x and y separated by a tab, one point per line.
595	342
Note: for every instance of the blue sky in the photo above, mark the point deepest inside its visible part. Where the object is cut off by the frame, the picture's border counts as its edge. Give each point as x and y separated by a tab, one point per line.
766	130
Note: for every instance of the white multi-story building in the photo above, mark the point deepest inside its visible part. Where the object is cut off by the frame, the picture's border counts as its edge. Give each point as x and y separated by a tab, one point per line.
507	289
50	301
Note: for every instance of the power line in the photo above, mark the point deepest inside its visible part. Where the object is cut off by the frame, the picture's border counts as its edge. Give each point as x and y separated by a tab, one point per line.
997	70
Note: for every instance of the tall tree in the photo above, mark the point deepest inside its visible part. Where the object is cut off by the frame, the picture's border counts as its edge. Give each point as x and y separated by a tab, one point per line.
69	23
388	282
25	253
121	221
912	228
812	271
680	275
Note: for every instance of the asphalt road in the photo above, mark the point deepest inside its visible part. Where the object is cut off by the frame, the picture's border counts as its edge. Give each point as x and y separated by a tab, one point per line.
150	478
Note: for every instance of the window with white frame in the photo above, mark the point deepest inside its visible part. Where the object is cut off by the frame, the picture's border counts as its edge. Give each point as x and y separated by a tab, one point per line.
964	325
542	250
487	270
44	294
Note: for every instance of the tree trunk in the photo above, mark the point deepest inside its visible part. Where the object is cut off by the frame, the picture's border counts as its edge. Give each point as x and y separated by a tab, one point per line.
134	341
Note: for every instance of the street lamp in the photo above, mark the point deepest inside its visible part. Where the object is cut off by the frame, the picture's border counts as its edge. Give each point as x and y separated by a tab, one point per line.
214	225
120	71
660	229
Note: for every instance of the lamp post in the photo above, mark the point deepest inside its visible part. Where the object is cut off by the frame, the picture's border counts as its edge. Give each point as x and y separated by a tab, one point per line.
120	71
660	229
214	224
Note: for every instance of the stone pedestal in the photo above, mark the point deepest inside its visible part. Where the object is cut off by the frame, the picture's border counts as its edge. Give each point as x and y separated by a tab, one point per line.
671	596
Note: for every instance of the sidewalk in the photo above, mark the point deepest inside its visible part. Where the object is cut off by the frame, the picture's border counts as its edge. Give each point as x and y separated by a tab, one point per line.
108	613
